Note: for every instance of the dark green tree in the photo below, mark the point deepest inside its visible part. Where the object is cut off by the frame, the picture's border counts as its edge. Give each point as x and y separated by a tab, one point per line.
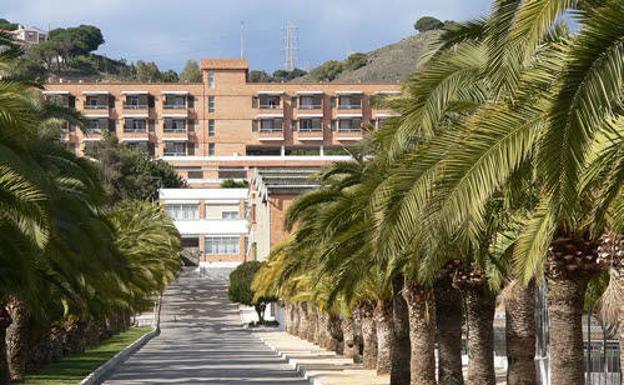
428	23
327	71
147	72
130	174
355	61
286	76
191	72
240	288
170	76
7	25
256	76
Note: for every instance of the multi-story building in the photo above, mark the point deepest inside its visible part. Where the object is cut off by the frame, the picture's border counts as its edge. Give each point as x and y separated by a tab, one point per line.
226	126
272	134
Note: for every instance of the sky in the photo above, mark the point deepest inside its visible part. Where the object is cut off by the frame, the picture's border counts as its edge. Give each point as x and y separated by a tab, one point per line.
171	32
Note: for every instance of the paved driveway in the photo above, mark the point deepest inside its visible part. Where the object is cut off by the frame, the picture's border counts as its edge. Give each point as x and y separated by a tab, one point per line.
202	342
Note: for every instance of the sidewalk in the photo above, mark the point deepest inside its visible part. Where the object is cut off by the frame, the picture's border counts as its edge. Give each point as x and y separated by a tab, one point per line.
317	365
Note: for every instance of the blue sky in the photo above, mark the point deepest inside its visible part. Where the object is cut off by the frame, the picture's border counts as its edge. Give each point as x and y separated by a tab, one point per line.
170	32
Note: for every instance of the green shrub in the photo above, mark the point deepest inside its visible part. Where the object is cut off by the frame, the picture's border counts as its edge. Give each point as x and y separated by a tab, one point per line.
240	288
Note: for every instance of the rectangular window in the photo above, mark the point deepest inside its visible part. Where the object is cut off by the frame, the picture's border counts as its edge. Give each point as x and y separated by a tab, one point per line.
174	101
211	149
175	125
211	104
211	127
211	79
310	102
222	245
229	215
134	125
196	175
308	125
349	124
350	102
271	125
183	212
175	149
270	101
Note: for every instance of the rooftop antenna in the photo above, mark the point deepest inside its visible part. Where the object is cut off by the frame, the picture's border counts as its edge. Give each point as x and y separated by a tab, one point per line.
290	47
242	40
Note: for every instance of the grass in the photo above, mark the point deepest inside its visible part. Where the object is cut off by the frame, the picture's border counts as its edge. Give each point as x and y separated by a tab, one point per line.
74	368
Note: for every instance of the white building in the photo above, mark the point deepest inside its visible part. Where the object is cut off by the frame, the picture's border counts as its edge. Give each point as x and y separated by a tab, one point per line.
212	222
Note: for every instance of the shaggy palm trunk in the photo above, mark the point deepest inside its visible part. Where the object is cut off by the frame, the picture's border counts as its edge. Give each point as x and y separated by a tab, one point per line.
312	320
296	319
421	308
449	332
571	263
349	349
385	336
480	309
5	322
302	331
336	338
17	339
369	337
400	372
288	308
520	334
323	337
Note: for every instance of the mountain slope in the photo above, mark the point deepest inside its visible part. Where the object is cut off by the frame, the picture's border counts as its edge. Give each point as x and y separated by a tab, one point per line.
391	63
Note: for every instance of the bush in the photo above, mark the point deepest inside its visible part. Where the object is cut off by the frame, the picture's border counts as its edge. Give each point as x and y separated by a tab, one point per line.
231	183
428	23
240	288
327	71
355	61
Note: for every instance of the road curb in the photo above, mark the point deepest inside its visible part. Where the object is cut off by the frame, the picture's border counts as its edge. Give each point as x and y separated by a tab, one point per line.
103	371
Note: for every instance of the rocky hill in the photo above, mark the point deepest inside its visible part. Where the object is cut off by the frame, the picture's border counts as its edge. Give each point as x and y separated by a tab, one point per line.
390	63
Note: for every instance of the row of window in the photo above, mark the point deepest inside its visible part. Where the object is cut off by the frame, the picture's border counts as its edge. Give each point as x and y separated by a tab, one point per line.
216	244
190	212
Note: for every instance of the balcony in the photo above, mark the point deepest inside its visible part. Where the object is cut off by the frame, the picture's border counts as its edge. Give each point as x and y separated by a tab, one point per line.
174	107
271	134
96	106
135	106
131	129
314	134
348	134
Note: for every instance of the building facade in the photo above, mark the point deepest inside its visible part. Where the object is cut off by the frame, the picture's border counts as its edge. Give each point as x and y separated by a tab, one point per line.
212	222
225	126
274	135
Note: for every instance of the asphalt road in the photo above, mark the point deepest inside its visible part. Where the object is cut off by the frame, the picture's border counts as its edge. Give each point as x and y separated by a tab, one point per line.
202	342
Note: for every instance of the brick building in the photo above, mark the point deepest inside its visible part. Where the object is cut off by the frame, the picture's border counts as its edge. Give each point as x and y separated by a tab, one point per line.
226	127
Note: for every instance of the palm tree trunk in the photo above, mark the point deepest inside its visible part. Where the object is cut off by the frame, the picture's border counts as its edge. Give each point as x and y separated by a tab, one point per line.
565	310
421	307
369	336
323	337
303	321
5	322
336	341
17	339
520	334
288	317
349	349
480	309
295	318
385	336
571	263
400	372
449	333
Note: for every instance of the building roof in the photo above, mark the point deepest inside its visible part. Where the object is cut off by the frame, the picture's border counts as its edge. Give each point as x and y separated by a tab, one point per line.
228	64
284	180
202	193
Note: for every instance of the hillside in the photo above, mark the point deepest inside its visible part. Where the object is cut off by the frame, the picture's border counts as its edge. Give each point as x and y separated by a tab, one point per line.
391	63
